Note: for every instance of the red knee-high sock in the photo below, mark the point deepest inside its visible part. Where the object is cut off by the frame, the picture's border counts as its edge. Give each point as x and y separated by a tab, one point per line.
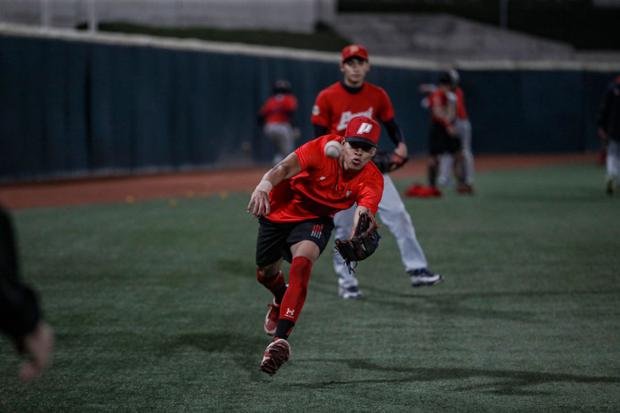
295	295
276	284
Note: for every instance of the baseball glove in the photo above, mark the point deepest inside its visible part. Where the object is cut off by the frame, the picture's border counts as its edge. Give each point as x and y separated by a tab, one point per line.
388	161
364	242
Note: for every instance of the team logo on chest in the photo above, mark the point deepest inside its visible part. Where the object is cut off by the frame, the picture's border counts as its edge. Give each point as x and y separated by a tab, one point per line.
347	116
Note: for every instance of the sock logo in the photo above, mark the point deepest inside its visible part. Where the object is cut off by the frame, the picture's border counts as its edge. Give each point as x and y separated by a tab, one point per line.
290	312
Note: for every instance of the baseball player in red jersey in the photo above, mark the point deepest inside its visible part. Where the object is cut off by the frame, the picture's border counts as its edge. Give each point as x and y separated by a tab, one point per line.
295	202
334	108
276	115
443	138
462	128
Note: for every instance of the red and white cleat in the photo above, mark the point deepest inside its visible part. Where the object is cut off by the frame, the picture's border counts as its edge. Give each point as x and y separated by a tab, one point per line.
276	354
271	319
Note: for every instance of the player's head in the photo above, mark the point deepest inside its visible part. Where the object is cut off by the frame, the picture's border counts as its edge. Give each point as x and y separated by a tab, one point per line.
353	51
360	142
281	86
354	64
449	79
445	81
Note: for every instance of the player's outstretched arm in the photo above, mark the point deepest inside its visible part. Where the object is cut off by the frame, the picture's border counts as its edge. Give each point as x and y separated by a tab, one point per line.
356	217
259	201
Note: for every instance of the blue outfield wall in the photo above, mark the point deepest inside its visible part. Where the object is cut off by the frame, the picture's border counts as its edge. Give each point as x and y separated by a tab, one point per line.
72	108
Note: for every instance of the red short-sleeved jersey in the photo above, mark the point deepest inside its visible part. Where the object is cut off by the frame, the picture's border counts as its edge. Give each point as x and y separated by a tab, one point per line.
461	112
438	99
335	106
279	108
322	188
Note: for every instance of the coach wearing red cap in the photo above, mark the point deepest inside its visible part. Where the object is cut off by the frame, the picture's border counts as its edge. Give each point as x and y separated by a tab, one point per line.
295	202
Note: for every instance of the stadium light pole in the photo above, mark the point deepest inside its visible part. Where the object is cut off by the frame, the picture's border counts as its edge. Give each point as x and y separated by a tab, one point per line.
46	15
92	16
503	14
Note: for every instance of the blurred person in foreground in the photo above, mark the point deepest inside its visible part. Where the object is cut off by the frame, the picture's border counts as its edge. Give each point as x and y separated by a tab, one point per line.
295	202
276	118
609	131
20	314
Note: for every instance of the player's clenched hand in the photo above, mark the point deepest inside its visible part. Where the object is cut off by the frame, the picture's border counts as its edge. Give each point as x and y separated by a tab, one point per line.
259	201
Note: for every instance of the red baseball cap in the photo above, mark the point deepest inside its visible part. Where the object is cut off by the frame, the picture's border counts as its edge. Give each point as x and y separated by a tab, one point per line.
354	50
363	129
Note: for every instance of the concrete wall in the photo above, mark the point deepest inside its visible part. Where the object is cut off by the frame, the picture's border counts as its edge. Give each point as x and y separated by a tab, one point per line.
286	15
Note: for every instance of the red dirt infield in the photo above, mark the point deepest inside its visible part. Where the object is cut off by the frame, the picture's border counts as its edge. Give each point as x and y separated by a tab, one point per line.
83	191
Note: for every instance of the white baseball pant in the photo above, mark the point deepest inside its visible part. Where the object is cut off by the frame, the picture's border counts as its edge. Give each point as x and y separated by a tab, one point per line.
463	128
613	161
282	136
394	215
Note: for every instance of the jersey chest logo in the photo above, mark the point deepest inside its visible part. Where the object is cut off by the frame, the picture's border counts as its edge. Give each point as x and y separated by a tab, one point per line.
345	117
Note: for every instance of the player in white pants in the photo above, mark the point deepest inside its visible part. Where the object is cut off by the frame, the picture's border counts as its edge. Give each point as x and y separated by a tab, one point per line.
463	130
283	137
608	123
334	107
613	166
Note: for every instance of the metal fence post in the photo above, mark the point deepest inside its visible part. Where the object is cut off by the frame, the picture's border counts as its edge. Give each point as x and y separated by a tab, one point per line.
92	16
46	14
503	14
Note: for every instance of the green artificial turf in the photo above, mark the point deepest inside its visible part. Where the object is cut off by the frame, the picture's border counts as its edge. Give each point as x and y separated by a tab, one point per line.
156	308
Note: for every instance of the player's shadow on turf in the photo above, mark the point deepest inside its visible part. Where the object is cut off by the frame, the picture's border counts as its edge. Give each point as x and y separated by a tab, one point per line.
245	350
501	382
441	305
455	304
587	194
236	267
